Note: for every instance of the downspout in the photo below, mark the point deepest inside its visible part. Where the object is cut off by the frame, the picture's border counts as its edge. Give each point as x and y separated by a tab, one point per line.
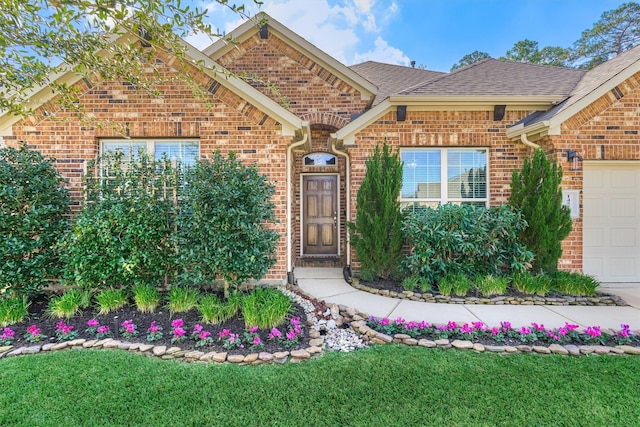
290	148
528	143
348	197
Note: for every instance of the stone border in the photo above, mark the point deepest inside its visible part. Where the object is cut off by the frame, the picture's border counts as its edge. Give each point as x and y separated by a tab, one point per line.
600	300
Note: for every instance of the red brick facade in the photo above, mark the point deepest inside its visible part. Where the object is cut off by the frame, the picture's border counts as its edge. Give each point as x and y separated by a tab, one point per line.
227	122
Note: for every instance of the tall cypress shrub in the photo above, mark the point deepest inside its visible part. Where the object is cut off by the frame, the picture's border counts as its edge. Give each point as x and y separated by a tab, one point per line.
536	192
377	232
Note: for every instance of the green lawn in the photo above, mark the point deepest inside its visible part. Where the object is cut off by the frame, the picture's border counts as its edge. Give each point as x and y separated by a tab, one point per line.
381	386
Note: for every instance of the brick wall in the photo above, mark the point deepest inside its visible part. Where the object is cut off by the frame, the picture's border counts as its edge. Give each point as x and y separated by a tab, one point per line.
228	123
444	129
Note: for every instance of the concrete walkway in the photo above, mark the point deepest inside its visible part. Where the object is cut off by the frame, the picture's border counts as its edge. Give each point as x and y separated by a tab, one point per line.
328	284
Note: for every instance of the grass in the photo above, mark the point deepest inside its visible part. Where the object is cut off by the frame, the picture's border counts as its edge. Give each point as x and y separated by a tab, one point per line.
181	299
265	308
13	310
69	303
147	298
574	283
215	311
455	283
381	386
109	300
490	285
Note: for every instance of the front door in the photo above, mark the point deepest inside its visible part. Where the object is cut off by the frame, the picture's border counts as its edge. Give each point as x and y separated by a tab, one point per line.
320	214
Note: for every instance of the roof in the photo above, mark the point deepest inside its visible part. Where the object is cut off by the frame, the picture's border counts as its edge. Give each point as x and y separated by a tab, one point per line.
391	79
496	77
599	77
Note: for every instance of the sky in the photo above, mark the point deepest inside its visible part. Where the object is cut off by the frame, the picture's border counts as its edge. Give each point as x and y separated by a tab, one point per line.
434	33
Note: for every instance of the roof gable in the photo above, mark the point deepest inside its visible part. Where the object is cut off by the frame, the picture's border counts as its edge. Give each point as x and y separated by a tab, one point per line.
249	29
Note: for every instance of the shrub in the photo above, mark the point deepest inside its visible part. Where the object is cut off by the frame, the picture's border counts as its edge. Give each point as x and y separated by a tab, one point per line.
376	234
215	311
33	209
490	285
13	310
181	299
69	303
109	300
147	298
464	239
265	308
223	221
123	235
535	191
574	283
454	283
527	283
412	282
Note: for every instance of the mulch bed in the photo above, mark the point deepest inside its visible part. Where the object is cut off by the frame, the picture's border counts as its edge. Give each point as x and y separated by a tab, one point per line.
162	318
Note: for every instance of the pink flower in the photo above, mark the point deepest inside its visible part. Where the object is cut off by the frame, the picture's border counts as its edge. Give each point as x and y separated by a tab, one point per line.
93	323
295	321
275	333
178	332
525	331
291	335
103	329
423	325
256	340
495	330
153	327
178	323
562	331
224	333
466	329
399	321
505	326
538	327
197	328
593	331
8	333
204	335
451	325
442	327
411	325
253	330
33	330
570	327
384	321
477	325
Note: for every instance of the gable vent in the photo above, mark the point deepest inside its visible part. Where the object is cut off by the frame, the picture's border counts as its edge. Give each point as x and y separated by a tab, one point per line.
617	92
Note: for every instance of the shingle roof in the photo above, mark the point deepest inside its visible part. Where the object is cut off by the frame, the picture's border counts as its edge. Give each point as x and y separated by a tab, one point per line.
592	80
392	79
495	77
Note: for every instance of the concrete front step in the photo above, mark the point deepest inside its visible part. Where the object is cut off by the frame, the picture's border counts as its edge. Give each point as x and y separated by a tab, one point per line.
317	273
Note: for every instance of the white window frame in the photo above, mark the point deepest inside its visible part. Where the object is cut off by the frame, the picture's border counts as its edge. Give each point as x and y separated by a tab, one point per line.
444	180
150	143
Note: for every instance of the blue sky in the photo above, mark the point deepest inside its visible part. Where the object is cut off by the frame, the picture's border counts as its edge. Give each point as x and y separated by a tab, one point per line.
434	33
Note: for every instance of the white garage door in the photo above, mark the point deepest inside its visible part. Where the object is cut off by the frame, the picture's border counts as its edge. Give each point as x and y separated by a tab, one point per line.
611	201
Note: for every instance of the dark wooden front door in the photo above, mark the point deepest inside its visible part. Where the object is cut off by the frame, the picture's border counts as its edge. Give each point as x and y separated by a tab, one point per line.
320	215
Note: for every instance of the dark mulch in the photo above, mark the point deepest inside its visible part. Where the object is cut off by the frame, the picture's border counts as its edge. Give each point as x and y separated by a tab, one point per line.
163	318
396	286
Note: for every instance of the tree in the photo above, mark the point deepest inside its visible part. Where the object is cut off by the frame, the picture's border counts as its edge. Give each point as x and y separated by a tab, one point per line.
529	52
469	59
617	31
40	38
535	191
33	210
377	233
225	209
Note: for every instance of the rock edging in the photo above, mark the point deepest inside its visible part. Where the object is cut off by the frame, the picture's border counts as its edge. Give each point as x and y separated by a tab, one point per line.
600	300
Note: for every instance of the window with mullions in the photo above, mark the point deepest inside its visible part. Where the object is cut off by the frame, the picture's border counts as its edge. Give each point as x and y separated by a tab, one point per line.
444	175
185	152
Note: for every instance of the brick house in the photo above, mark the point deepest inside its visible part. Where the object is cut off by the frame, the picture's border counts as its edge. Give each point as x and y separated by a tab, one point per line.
460	136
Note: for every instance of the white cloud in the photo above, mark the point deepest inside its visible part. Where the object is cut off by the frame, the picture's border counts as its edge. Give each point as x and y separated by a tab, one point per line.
382	52
345	29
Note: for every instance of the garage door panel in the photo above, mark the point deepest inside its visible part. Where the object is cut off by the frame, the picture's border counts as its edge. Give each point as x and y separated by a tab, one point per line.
611	221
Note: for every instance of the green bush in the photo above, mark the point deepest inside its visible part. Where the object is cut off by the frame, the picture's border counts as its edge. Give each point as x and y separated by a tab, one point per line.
376	234
13	310
464	239
265	308
146	297
214	311
536	192
573	283
109	300
491	285
182	299
225	211
69	303
454	283
412	282
33	209
123	236
527	283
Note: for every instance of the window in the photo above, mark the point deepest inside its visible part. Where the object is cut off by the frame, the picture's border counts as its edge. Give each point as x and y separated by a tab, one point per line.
319	159
449	175
186	152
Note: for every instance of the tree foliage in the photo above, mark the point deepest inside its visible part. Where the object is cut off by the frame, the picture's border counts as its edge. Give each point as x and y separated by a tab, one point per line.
33	210
41	38
617	31
377	232
123	236
536	192
225	211
469	59
528	51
